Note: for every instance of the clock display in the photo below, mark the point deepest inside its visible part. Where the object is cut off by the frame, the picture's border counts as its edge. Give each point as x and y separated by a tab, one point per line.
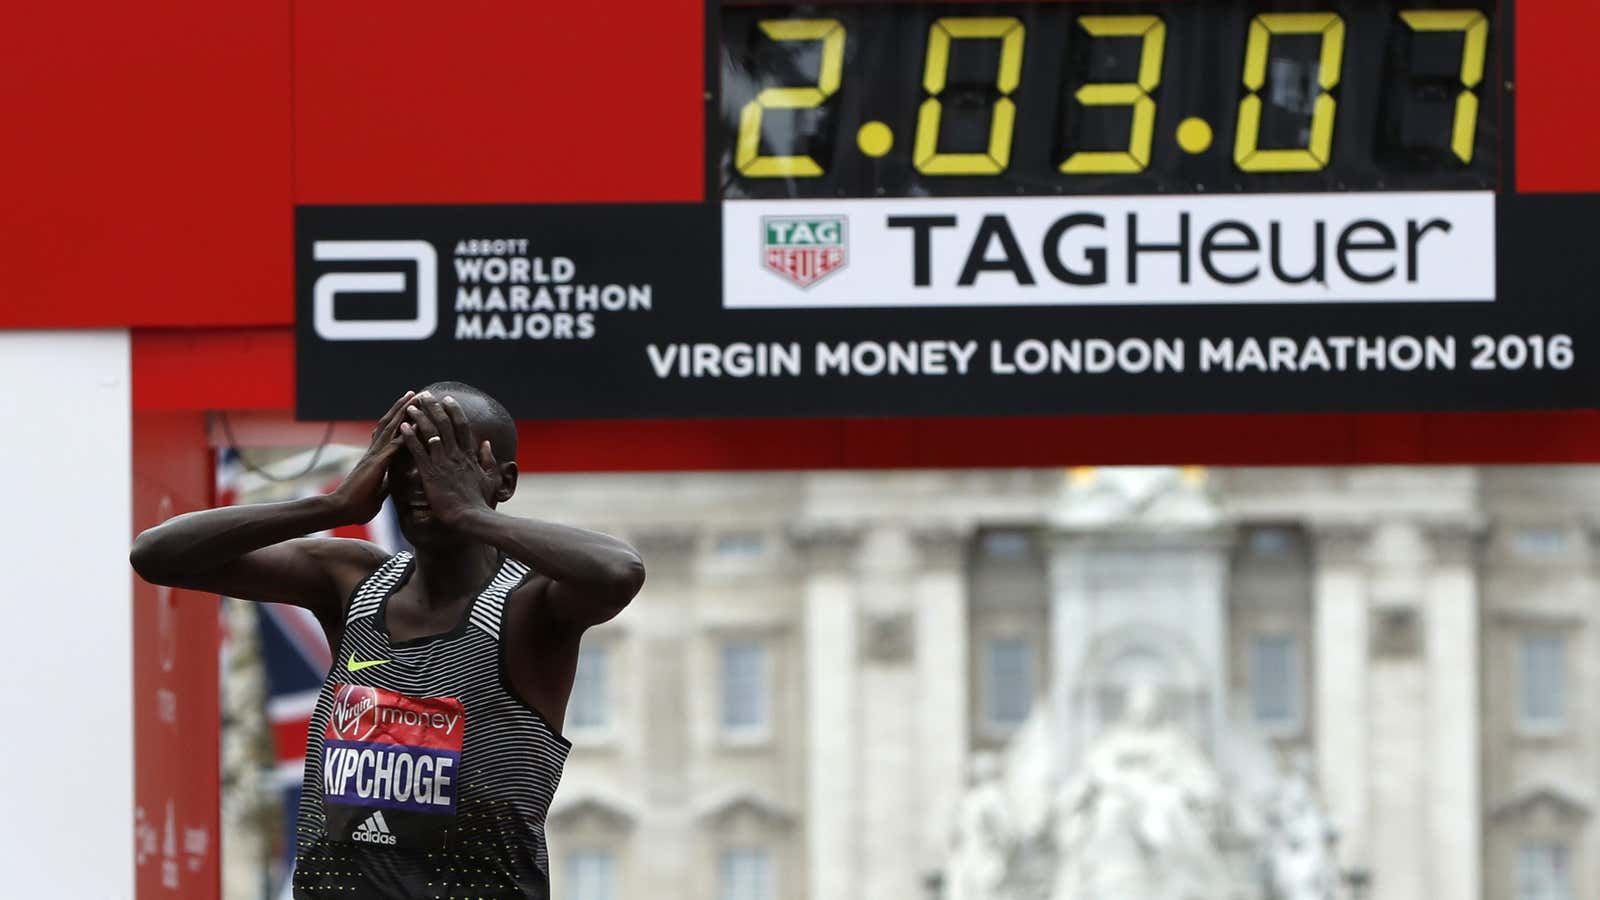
939	99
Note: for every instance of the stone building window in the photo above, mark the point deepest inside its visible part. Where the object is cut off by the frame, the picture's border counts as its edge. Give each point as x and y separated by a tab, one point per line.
1543	872
1542	688
1268	542
591	875
1012	546
590	708
1008	681
745	671
746	874
741	543
1540	543
1275	681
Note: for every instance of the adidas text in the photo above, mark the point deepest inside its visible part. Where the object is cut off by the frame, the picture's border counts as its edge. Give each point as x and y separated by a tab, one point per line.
368	837
375	830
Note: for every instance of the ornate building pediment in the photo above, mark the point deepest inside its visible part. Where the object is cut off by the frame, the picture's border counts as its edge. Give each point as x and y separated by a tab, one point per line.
668	550
827	544
728	810
592	810
1558	802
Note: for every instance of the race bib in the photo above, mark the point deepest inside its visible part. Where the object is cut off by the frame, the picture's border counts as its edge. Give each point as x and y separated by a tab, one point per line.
390	767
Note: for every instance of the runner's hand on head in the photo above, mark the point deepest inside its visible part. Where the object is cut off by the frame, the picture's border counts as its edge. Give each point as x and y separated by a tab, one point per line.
465	438
361	494
440	440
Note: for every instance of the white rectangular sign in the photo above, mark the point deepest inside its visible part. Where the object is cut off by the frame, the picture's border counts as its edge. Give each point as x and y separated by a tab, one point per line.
1087	250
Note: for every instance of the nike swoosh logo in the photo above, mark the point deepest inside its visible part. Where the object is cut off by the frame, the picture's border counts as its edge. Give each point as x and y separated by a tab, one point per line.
354	666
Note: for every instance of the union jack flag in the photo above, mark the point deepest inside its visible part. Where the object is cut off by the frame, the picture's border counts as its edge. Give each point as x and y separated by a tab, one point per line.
296	657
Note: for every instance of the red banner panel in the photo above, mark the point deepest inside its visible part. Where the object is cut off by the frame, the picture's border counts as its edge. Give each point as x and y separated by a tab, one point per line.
499	103
146	168
1557	143
175	714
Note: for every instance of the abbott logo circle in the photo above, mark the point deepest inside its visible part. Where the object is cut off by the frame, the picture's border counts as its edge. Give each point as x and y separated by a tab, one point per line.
331	285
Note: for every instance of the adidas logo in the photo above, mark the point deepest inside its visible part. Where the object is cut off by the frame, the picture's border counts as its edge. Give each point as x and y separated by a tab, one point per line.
373	831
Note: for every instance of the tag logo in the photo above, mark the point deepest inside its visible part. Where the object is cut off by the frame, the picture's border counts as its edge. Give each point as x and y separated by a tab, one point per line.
374	831
804	250
355	712
351	665
424	260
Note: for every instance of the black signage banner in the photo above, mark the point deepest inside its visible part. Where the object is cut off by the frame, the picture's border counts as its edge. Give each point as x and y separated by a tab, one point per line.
617	312
914	210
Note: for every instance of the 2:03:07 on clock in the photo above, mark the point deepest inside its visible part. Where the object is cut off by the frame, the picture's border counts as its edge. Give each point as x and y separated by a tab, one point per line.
939	99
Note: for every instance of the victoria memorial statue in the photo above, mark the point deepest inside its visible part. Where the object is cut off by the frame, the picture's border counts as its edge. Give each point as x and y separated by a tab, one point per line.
1133	780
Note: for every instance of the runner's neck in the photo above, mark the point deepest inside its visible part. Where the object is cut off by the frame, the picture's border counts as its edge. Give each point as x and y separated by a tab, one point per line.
444	575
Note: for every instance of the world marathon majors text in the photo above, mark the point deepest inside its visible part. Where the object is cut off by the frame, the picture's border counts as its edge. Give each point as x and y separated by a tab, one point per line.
504	294
1094	356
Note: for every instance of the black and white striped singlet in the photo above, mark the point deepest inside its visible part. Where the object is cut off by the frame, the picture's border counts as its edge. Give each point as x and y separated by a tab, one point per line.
426	775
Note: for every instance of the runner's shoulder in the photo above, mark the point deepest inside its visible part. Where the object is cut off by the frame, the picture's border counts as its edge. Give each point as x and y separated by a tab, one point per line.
347	560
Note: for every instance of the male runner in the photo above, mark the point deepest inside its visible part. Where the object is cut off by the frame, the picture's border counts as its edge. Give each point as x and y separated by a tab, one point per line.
435	746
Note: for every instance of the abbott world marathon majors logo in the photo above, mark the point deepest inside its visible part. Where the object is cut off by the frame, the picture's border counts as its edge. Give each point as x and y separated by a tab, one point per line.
495	289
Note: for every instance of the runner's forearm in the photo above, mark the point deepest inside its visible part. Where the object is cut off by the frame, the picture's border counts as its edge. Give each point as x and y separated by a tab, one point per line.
573	556
201	541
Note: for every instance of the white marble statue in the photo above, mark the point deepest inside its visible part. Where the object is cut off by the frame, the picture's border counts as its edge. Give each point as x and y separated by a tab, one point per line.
1298	850
983	836
1030	770
1143	816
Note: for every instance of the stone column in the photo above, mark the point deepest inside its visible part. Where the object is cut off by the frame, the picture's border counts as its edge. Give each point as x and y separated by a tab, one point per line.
1403	714
1339	588
939	592
1397	704
653	765
660	634
832	715
890	705
1455	810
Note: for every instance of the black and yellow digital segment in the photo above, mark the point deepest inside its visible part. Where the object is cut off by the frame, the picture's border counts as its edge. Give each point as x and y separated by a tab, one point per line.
946	99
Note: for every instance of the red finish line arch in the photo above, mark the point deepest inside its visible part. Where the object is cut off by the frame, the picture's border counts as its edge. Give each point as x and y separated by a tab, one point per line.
151	191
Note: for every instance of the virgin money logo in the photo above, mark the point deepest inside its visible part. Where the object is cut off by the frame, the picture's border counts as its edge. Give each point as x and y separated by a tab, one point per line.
355	712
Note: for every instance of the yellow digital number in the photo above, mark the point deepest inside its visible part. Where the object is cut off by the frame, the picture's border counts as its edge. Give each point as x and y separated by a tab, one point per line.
1134	94
1246	152
1475	30
925	153
747	155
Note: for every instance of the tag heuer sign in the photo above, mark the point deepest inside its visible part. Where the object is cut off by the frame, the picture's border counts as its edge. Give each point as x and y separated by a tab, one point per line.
804	250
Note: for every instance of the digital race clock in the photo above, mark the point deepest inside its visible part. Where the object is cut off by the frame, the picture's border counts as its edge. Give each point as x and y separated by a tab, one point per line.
938	99
931	208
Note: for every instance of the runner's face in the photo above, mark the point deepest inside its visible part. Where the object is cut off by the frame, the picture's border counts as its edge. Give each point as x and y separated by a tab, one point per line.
410	503
417	521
